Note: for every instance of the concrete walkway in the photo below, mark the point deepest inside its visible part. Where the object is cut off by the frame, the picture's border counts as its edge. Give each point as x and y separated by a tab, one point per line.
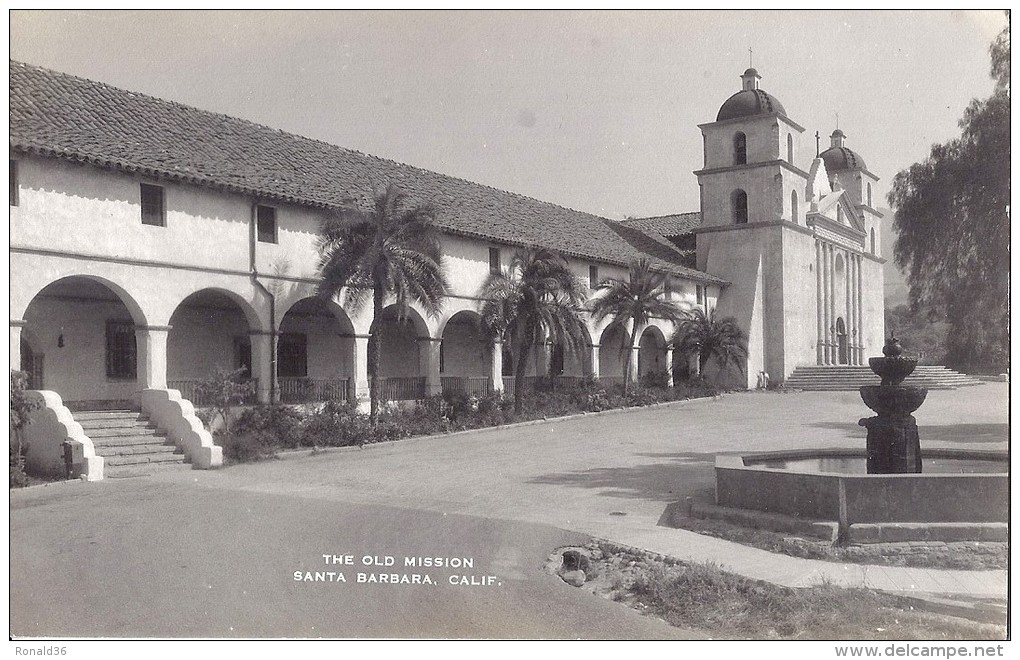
613	475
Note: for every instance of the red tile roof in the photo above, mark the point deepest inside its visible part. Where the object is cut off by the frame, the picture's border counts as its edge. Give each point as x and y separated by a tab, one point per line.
667	225
58	115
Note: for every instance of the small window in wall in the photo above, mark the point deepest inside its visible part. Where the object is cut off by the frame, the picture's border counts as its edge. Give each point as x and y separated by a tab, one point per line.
793	205
839	214
494	262
292	355
701	294
789	148
14	183
739	149
153	207
266	218
242	355
121	350
873	250
593	277
869	194
738	200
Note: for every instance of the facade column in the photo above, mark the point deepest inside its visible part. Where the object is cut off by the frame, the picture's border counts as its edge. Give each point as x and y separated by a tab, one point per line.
848	306
359	385
860	324
855	333
833	348
819	306
669	366
152	341
263	352
826	319
496	366
428	364
594	360
16	326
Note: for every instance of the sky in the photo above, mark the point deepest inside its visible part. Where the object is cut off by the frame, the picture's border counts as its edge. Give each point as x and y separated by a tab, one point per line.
594	110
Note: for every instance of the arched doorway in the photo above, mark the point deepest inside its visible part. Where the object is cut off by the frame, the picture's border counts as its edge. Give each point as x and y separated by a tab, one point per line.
79	341
315	353
465	355
401	370
614	351
652	357
209	331
841	340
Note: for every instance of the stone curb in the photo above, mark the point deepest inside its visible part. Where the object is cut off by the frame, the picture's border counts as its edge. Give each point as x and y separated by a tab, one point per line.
502	427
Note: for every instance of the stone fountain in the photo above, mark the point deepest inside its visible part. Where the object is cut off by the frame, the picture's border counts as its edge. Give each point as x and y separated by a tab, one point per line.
893	443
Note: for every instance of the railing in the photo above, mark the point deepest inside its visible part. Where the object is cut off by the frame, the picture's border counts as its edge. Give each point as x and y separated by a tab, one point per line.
188	388
410	388
465	384
305	390
610	381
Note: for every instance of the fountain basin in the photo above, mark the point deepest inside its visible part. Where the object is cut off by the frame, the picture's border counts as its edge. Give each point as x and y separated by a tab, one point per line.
827	486
893	400
892	369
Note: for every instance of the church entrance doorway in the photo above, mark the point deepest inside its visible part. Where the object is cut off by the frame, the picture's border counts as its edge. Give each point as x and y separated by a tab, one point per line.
841	340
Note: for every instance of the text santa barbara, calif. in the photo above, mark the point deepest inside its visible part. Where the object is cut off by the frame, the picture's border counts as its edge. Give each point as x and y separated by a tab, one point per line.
388	570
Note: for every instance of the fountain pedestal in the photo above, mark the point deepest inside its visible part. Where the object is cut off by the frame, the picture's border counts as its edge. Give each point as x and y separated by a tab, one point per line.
894	446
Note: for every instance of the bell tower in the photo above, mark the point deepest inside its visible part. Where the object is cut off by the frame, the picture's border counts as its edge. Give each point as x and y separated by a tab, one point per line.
753	226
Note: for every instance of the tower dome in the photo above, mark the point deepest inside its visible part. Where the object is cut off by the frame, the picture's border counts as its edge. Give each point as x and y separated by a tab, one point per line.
838	158
750	100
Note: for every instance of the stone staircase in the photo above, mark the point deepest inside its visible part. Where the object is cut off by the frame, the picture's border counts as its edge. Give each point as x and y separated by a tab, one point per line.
846	377
129	444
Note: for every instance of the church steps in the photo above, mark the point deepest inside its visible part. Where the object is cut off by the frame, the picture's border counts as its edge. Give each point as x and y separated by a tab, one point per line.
847	377
128	442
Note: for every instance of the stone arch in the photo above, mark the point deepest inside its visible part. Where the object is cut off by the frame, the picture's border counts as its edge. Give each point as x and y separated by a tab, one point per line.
614	345
465	353
315	352
211	328
652	347
738	206
80	332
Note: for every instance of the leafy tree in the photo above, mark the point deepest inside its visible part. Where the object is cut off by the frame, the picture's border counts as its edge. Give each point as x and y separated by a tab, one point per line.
952	216
389	250
636	300
537	298
223	390
918	333
708	338
21	416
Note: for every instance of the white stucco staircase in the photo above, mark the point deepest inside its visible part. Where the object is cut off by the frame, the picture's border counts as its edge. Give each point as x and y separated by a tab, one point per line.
129	442
846	377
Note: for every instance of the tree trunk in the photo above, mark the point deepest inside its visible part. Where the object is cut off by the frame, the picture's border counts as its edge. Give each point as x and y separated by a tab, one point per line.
628	357
520	369
375	352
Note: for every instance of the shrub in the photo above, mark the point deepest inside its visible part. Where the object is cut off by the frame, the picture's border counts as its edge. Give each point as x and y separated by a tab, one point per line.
270	425
655	379
21	410
336	424
247	448
223	390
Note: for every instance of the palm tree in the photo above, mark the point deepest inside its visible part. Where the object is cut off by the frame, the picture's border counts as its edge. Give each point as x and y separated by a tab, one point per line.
392	249
639	299
707	337
536	298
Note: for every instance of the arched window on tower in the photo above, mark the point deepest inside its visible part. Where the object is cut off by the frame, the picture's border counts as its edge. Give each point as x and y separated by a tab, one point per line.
793	205
873	251
738	200
739	149
869	194
789	148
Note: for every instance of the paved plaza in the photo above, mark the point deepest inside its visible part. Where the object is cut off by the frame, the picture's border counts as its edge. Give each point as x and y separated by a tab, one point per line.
126	555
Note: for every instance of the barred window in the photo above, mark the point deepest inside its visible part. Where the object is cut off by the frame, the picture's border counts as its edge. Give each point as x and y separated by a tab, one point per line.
121	350
593	277
701	294
153	207
14	183
494	262
292	355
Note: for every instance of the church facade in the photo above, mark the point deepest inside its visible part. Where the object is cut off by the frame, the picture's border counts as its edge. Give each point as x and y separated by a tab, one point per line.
795	234
152	242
